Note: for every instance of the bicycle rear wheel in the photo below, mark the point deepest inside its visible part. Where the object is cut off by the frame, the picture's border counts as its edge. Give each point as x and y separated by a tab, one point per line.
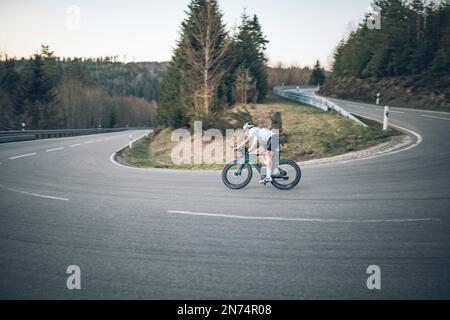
289	177
236	175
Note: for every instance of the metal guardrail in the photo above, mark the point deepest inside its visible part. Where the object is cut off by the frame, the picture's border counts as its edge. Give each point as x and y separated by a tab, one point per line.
315	101
25	135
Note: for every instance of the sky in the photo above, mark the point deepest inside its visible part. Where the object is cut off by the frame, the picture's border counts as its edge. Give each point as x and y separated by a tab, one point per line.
299	31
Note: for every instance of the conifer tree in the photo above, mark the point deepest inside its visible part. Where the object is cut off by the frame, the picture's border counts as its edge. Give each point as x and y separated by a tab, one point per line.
317	75
40	95
191	88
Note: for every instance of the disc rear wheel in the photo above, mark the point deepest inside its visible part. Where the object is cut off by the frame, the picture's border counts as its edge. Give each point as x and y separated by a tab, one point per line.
288	177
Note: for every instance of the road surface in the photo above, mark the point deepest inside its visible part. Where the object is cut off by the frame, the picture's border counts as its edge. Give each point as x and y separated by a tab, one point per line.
155	234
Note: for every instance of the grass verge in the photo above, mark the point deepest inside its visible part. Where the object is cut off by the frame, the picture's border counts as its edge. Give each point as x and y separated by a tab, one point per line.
308	133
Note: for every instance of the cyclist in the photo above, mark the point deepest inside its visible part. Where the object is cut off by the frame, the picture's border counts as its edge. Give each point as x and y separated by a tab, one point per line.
264	138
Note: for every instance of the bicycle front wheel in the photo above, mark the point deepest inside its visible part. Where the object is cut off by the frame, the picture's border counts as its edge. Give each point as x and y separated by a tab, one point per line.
289	176
236	175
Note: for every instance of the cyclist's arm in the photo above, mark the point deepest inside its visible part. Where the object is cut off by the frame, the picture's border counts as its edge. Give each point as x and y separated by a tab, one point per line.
246	140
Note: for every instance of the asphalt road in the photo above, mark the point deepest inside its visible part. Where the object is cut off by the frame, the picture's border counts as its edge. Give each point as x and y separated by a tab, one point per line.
135	233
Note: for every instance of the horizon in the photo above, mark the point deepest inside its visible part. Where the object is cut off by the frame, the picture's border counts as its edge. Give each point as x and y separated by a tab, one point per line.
98	34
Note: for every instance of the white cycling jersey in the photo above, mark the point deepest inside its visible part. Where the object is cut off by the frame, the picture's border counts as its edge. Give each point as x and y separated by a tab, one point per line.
260	135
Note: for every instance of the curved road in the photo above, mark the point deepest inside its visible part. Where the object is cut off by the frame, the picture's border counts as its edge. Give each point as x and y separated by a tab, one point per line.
158	234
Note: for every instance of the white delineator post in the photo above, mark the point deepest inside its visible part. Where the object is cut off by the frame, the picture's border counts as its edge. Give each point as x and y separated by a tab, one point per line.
378	99
131	141
386	118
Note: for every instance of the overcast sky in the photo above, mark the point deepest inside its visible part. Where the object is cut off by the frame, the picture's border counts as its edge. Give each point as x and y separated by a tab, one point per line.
300	31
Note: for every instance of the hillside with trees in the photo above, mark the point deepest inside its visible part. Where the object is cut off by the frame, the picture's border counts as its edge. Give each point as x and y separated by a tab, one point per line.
407	60
48	92
279	75
212	70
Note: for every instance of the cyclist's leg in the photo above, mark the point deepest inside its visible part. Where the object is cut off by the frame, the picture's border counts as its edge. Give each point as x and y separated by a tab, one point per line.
275	148
269	163
269	155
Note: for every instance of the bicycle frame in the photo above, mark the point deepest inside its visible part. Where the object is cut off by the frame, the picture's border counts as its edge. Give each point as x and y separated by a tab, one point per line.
258	166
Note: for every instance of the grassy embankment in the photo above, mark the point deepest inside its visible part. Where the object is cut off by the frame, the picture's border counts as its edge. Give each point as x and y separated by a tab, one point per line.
309	133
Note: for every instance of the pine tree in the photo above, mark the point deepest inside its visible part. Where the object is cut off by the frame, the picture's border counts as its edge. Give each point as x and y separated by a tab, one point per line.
260	69
251	69
204	43
11	83
8	119
317	75
40	96
193	87
209	70
171	110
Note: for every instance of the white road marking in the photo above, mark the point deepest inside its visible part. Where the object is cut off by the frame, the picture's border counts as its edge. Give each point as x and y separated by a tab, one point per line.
418	137
378	109
23	156
88	142
390	110
75	145
434	117
99	140
56	149
393	111
406	109
35	194
299	219
355	105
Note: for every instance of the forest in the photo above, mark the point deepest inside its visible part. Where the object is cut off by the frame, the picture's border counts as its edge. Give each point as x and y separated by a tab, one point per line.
414	38
50	92
407	60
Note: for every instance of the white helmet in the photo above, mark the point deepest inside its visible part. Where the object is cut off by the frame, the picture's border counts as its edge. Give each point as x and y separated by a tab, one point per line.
248	126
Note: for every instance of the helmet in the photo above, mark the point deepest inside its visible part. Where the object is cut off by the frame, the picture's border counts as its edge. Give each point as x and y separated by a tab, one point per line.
248	126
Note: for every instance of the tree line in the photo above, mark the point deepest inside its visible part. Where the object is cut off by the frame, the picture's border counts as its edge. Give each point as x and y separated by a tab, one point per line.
140	79
414	38
47	92
293	75
212	69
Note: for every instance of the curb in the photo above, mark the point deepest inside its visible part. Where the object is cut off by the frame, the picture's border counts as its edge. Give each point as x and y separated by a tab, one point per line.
114	155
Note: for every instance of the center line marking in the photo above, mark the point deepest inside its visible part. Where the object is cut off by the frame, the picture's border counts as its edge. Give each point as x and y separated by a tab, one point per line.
36	194
300	219
75	145
87	142
393	111
23	156
424	115
56	149
356	105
